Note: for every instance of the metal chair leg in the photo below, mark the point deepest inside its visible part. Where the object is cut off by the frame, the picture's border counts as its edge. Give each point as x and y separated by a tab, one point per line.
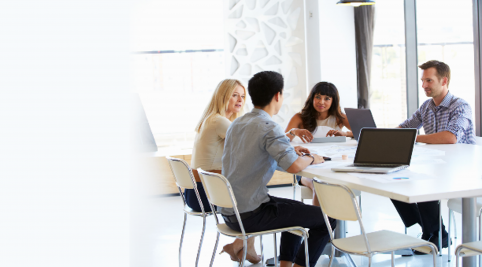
294	186
245	246
434	255
369	260
440	228
201	241
307	260
214	251
331	256
450	230
275	251
393	259
262	250
182	237
455	225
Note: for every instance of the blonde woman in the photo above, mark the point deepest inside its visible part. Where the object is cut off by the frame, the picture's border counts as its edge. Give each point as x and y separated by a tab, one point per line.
225	106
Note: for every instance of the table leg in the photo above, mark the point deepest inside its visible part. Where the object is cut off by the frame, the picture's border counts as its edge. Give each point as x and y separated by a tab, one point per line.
468	228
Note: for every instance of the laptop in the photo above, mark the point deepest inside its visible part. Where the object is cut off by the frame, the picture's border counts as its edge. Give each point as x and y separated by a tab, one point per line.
358	119
382	150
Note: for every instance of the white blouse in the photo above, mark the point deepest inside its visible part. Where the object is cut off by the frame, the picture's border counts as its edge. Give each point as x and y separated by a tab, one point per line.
330	122
209	144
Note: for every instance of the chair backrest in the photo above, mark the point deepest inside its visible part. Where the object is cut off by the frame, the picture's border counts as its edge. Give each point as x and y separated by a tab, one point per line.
217	188
337	201
182	172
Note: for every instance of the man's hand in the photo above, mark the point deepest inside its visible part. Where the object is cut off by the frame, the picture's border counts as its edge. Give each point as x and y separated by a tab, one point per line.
318	159
300	150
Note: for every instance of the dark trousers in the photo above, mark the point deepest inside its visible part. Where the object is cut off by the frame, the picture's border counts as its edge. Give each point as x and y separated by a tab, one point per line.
424	213
191	198
282	212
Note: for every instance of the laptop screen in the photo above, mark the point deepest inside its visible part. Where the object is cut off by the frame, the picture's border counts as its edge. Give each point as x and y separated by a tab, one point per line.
385	146
358	119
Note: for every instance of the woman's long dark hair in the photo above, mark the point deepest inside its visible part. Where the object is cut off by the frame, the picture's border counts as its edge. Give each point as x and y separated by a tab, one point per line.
309	113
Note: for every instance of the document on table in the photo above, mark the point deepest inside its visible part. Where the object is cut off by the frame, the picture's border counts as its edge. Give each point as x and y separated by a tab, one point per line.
321	131
334	151
329	164
396	177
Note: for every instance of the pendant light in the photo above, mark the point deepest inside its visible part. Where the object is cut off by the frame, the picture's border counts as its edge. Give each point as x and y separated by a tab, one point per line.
356	2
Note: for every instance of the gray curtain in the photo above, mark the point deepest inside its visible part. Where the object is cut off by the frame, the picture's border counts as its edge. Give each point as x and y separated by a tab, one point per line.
364	24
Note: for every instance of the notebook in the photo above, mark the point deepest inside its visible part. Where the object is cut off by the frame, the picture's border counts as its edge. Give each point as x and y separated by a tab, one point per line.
358	119
382	151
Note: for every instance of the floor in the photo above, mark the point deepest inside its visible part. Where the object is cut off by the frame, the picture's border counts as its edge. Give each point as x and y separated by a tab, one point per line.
156	227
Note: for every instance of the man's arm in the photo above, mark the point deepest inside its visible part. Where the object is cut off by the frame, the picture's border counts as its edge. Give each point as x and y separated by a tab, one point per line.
444	137
304	161
459	120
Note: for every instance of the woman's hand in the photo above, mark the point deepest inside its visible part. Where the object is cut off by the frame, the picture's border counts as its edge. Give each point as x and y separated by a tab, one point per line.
303	134
300	150
335	133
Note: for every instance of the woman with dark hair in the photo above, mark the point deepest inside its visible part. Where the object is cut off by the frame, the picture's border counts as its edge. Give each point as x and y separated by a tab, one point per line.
322	108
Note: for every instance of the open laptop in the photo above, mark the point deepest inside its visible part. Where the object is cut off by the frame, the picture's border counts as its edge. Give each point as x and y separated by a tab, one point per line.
358	119
382	151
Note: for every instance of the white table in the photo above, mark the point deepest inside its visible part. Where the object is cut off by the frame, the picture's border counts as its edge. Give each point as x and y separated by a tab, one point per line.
460	176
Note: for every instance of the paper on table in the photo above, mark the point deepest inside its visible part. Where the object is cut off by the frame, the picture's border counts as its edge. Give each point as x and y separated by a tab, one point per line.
328	165
321	131
396	177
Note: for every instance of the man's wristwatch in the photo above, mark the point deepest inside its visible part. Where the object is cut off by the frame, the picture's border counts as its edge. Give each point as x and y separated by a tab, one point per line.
307	154
291	132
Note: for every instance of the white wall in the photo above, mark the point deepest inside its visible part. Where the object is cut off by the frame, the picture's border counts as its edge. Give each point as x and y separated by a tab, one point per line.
331	47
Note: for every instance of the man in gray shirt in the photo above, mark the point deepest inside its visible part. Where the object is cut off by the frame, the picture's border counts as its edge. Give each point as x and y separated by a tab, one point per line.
255	146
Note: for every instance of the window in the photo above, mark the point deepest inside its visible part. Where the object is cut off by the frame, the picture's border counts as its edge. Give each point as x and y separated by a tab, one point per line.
177	61
388	100
445	33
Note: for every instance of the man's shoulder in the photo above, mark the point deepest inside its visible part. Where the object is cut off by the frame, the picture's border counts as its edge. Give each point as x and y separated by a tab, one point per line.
457	102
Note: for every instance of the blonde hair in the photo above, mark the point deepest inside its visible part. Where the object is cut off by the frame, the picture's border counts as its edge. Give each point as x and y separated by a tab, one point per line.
220	101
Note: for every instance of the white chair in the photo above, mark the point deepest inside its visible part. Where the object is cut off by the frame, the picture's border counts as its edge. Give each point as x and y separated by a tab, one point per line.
219	193
339	202
467	250
455	204
185	180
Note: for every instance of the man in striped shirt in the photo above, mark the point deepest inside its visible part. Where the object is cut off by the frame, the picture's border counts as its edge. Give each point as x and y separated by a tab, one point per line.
446	119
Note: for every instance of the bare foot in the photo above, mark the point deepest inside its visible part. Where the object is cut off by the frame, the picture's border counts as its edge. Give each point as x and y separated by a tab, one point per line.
250	256
229	248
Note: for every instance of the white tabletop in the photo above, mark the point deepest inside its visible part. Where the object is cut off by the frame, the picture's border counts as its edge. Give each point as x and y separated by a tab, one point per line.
456	174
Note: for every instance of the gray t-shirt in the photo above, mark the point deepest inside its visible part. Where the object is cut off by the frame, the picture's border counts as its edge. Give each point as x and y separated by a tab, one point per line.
254	147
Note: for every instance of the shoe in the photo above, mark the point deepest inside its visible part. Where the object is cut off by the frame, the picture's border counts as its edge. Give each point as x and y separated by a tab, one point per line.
434	240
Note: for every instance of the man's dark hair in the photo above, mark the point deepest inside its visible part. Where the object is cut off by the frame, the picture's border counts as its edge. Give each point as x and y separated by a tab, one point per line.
263	86
443	70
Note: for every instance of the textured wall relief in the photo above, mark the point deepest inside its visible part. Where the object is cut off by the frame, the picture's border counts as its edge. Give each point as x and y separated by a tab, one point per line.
268	35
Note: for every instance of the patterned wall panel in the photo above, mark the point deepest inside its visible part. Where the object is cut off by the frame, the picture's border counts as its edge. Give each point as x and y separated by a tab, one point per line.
268	35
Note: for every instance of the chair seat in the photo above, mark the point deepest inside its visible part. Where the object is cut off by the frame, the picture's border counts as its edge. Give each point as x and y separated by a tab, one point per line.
224	229
381	241
471	249
455	204
190	211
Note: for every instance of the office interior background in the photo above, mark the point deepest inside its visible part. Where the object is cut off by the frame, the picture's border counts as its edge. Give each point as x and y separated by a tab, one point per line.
67	68
187	49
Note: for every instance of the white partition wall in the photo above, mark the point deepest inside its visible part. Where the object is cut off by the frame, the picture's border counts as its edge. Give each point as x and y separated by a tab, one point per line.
268	35
306	41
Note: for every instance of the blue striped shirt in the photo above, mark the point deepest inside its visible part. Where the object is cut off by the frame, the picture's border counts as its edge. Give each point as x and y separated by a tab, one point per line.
255	146
453	114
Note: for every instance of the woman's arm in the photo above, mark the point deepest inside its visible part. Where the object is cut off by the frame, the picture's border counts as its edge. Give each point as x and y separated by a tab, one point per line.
343	123
293	129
